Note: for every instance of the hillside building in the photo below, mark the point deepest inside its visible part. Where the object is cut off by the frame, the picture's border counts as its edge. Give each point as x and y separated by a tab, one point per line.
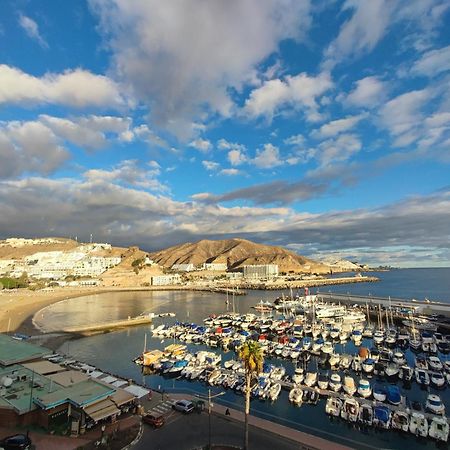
261	271
189	267
221	267
166	280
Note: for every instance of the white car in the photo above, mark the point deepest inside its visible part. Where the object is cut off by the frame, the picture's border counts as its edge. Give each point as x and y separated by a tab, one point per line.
184	406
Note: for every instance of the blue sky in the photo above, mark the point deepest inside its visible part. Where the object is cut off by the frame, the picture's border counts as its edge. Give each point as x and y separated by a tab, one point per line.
320	126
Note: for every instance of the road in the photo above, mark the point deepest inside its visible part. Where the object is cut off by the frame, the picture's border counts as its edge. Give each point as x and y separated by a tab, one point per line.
187	432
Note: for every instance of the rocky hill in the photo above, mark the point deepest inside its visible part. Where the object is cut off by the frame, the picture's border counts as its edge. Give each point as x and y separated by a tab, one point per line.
237	253
341	265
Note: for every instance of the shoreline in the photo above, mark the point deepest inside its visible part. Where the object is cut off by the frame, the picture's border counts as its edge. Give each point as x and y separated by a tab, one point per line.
18	307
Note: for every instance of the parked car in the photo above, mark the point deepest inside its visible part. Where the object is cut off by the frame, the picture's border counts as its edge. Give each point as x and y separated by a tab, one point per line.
16	442
153	420
184	406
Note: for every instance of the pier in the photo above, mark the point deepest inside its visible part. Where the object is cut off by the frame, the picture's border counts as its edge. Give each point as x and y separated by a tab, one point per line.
106	326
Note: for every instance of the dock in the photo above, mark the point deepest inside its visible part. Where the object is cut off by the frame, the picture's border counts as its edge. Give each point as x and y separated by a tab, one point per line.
106	326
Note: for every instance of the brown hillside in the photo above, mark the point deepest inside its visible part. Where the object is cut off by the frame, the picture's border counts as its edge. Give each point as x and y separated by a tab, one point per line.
237	252
62	244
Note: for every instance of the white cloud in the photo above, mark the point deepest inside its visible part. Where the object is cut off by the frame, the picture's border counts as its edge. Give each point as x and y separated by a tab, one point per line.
202	145
214	46
268	157
337	126
230	172
75	88
298	92
369	92
32	30
223	144
237	157
433	62
210	165
29	147
362	31
296	139
338	150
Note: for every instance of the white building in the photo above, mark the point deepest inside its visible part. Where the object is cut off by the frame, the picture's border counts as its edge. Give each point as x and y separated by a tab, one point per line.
165	280
214	266
234	275
261	271
183	267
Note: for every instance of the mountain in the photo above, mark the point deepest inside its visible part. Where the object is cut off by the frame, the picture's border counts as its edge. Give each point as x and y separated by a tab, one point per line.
340	265
236	253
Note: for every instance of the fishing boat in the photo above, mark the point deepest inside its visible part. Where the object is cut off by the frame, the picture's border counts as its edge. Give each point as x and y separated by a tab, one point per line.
299	375
418	424
322	381
439	429
349	385
391	371
382	417
379	393
434	404
364	389
346	361
435	363
400	420
368	365
399	358
296	395
333	406
366	415
334	360
327	348
405	373
393	395
356	337
335	383
350	409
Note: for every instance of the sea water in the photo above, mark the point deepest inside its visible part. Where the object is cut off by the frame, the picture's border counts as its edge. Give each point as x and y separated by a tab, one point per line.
114	352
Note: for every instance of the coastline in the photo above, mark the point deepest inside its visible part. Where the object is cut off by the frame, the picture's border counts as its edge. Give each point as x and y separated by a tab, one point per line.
18	307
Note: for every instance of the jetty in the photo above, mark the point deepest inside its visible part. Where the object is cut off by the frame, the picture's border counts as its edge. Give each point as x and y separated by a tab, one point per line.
107	326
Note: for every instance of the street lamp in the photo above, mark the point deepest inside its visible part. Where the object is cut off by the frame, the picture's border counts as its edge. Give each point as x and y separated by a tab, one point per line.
210	397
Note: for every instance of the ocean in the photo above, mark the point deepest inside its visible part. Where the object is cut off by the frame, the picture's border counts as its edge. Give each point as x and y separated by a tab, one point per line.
114	352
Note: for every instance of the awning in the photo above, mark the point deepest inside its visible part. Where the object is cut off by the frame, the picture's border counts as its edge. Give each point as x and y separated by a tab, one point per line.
101	410
122	397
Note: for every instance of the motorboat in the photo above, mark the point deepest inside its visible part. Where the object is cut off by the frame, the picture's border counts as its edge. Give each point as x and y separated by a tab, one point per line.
365	415
439	429
399	358
322	381
406	373
299	375
378	337
434	404
393	394
327	348
400	420
346	361
333	406
418	424
356	363
434	363
379	393
391	371
437	380
335	383
296	395
356	337
334	360
368	365
310	379
274	391
350	409
382	416
422	377
364	389
349	385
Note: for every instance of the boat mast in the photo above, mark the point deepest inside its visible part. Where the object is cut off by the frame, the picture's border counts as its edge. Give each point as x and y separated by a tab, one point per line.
145	342
368	315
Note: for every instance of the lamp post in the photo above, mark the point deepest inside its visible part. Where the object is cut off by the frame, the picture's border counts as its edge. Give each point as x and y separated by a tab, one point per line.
210	397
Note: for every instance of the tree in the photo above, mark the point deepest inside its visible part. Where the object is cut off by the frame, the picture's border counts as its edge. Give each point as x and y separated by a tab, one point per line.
251	354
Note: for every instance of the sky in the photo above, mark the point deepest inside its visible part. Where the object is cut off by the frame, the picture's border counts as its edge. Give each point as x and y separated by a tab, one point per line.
320	126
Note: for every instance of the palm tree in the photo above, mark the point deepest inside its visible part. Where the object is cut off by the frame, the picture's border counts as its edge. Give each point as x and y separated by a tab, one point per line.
251	354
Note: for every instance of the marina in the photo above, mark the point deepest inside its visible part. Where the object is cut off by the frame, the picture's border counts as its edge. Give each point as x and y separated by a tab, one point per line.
309	417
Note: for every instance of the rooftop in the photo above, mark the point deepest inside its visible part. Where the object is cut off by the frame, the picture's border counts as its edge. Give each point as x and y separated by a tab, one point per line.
13	351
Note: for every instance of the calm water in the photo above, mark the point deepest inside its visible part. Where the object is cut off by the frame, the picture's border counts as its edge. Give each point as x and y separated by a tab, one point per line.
114	352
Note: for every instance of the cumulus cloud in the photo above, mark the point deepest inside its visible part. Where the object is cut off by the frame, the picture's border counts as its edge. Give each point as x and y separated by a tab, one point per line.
230	172
338	150
369	92
29	147
214	46
210	165
32	30
76	88
299	92
267	157
202	145
338	126
237	157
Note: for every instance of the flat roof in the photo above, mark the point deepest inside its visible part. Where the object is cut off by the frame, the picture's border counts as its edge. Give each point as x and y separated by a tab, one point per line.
13	351
69	377
44	367
80	394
